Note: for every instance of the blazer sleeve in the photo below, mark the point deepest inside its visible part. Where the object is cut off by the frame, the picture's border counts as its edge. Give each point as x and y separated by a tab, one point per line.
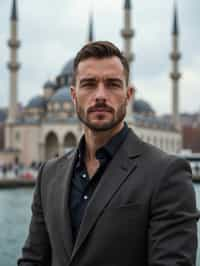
37	250
172	235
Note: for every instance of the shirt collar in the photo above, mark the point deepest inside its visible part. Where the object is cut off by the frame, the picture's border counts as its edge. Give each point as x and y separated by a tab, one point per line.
113	144
109	149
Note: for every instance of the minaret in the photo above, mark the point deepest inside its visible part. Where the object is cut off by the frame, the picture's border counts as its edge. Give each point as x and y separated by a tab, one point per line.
13	65
127	34
91	28
175	75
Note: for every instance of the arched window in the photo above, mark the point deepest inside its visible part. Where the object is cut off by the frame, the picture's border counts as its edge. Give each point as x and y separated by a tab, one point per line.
51	145
69	141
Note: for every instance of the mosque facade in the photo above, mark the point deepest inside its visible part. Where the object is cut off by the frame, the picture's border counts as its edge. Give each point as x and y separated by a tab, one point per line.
48	126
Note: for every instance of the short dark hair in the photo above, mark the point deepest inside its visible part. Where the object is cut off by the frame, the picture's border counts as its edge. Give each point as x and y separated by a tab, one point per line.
100	50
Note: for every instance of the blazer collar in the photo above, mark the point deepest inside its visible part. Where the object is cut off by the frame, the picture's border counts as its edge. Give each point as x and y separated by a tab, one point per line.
133	145
65	171
122	165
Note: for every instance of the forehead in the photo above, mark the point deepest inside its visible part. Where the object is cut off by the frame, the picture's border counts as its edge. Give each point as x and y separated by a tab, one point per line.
106	67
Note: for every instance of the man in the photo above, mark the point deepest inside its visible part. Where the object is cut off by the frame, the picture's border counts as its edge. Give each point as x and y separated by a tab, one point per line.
115	200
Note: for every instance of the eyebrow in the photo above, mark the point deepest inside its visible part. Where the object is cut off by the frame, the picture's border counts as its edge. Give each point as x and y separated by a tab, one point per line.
88	80
114	80
106	79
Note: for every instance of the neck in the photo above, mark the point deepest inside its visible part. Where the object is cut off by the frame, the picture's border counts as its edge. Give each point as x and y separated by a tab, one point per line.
96	139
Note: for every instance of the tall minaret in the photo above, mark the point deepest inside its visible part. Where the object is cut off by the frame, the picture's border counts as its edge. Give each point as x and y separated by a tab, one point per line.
91	28
13	65
127	34
175	75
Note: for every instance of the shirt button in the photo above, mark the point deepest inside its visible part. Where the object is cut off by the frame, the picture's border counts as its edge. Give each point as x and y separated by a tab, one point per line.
85	197
84	175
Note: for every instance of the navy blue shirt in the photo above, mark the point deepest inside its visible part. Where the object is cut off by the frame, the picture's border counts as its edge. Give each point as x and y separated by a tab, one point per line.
83	186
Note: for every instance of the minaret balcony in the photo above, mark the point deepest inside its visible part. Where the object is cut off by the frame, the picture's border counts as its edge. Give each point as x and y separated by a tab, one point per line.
127	33
175	56
175	76
130	57
14	44
13	66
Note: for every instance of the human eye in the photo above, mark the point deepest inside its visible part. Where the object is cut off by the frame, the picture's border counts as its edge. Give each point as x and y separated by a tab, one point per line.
87	84
115	84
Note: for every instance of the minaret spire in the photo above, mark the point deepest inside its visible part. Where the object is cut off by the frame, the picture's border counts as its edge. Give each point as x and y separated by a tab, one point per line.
127	4
91	28
175	30
175	74
127	34
14	11
13	65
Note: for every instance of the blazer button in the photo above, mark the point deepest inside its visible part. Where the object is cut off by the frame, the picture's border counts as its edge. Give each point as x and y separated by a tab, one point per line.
85	197
84	176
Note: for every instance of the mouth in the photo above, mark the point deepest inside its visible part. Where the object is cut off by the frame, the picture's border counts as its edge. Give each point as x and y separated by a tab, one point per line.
100	109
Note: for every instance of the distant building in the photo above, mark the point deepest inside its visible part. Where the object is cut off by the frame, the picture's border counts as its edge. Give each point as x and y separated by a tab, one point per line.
190	119
191	132
48	126
191	138
3	116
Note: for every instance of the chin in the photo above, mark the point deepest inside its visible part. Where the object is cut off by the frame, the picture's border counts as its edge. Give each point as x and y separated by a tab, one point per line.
101	126
101	123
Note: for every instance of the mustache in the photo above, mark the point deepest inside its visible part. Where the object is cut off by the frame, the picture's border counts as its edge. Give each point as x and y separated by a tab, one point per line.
98	106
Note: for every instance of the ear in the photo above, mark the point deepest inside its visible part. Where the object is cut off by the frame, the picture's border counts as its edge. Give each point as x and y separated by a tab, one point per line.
73	94
130	93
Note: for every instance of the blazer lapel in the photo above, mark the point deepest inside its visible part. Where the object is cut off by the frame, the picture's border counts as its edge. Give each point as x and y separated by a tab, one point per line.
117	172
65	170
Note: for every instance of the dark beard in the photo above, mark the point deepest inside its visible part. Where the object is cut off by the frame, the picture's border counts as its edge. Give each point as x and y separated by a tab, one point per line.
117	119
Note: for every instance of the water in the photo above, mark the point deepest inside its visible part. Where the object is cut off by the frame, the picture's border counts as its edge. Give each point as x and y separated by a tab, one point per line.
14	220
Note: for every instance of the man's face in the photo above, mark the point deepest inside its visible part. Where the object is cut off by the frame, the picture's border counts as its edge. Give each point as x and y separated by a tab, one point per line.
100	94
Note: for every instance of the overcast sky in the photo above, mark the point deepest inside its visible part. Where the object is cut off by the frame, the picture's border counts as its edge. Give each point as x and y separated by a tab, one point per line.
51	33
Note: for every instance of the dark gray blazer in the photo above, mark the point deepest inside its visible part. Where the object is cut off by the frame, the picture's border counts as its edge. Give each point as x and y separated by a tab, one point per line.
143	212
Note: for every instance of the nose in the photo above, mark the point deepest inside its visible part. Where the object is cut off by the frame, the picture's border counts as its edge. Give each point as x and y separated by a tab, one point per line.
101	93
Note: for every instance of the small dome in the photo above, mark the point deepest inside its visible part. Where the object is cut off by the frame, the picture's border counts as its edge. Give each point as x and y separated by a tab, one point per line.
141	106
68	68
62	95
49	85
37	102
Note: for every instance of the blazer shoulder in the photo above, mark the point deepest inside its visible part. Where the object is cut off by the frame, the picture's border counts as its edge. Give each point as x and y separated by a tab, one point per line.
157	154
150	156
50	168
158	159
52	163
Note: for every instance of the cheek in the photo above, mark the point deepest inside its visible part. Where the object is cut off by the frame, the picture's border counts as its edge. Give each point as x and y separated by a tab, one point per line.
83	101
119	99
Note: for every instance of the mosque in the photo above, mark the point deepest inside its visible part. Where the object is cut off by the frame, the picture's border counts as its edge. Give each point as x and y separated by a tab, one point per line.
48	126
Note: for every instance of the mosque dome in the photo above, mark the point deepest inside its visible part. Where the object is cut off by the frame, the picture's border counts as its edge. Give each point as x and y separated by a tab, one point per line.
62	95
49	84
37	102
142	107
68	68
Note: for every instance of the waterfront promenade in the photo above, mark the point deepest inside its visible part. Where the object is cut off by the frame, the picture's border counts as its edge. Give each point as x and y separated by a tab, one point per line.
15	215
